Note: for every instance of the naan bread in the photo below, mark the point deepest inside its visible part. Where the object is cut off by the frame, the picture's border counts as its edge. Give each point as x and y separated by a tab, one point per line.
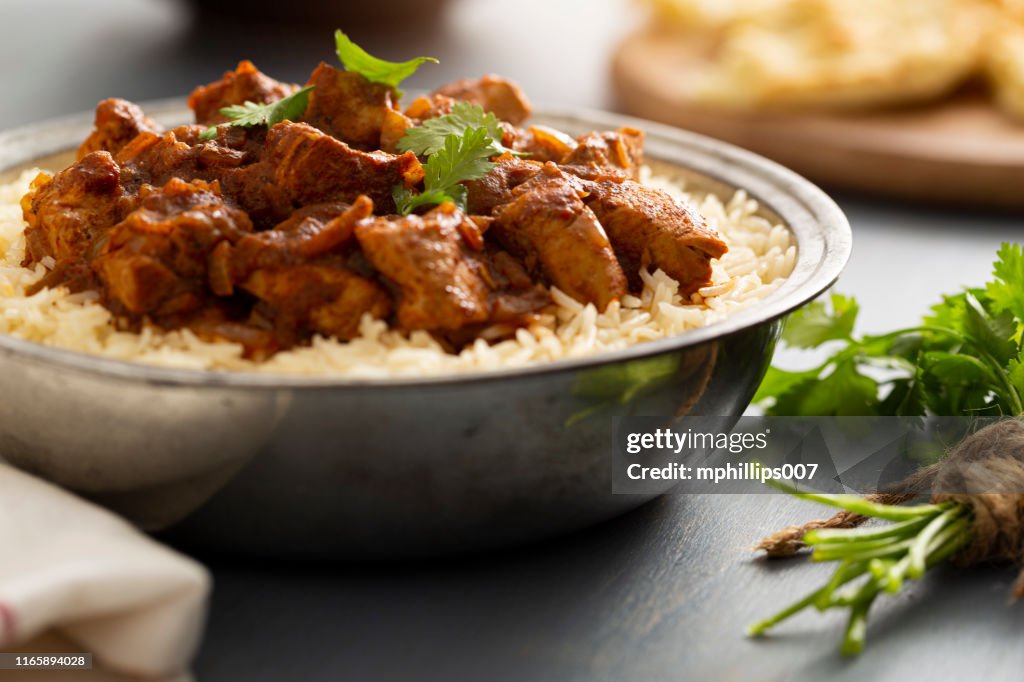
845	54
1005	68
713	14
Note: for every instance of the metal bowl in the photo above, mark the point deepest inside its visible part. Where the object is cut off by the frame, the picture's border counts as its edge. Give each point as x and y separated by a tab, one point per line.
383	468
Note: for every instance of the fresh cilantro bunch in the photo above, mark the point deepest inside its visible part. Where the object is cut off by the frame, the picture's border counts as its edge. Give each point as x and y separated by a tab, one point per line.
251	114
965	358
463	157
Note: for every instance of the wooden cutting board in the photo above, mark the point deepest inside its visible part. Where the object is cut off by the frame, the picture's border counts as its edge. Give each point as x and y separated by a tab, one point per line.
958	151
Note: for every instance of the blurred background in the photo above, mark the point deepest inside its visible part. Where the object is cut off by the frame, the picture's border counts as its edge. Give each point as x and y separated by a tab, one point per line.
62	56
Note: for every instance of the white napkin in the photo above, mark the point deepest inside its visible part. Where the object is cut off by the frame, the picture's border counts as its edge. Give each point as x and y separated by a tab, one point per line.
70	566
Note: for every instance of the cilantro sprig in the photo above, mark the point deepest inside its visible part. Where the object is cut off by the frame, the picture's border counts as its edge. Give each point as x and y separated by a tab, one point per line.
430	137
458	147
252	114
375	70
463	157
290	108
965	358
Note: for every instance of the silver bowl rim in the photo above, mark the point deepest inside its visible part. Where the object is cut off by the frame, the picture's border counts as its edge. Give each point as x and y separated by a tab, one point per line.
822	232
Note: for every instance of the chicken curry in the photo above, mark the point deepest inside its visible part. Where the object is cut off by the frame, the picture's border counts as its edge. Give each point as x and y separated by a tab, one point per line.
286	212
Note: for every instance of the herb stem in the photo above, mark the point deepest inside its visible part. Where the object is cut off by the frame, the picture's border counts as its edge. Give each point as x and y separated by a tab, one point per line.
917	555
857	628
828	536
858	553
1015	400
759	628
847	571
843	575
921	537
858	505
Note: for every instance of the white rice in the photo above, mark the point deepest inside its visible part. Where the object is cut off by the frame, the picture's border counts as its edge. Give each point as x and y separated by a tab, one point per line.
760	257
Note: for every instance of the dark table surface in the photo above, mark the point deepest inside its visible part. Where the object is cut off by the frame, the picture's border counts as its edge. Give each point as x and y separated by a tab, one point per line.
662	593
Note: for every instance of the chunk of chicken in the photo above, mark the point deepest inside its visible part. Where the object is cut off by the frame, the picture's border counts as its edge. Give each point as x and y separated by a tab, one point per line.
549	226
393	129
542	143
66	213
428	260
245	84
297	270
516	296
322	297
649	228
154	159
302	166
295	166
180	153
230	319
500	96
118	122
155	261
431	106
310	232
607	153
347	106
495	188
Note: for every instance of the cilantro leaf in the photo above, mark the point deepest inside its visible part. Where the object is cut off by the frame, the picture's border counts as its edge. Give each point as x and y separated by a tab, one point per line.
905	399
973	315
780	381
252	114
843	391
815	324
991	333
955	383
373	69
465	157
287	108
837	387
430	137
1006	291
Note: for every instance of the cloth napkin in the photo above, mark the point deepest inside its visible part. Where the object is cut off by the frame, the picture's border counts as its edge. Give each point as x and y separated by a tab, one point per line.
81	573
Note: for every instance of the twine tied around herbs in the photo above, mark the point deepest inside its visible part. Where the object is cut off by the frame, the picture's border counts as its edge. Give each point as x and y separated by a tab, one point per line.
983	473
